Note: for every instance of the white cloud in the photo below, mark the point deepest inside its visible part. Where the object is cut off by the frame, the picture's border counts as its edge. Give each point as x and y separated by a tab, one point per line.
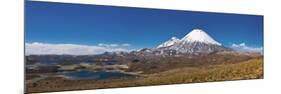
114	45
125	45
36	48
245	48
107	45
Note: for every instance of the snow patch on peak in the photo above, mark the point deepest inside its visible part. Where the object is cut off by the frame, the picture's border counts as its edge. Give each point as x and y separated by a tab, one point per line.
198	35
174	38
170	42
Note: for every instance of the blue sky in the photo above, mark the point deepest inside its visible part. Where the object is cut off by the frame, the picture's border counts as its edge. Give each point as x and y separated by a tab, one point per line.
91	25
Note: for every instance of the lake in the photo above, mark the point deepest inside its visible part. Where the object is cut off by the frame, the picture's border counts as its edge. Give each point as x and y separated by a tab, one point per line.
100	75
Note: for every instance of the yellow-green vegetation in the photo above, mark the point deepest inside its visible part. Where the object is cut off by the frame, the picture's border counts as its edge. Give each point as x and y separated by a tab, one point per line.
251	69
248	69
69	67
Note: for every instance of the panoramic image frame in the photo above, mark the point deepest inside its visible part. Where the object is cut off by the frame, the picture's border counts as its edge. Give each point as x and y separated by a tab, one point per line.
79	47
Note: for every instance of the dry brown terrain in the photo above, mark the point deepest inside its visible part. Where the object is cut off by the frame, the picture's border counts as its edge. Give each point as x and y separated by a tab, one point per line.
246	68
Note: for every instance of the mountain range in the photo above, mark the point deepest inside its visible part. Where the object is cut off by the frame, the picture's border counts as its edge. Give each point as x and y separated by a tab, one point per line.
196	43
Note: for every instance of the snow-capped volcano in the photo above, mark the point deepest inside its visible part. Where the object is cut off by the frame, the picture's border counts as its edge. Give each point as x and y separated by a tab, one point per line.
198	35
197	41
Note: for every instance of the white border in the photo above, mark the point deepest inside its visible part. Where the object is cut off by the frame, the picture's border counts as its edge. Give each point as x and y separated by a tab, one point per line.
11	39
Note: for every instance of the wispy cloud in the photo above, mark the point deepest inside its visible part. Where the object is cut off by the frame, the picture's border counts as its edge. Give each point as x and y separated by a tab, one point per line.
36	48
114	45
243	47
126	45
